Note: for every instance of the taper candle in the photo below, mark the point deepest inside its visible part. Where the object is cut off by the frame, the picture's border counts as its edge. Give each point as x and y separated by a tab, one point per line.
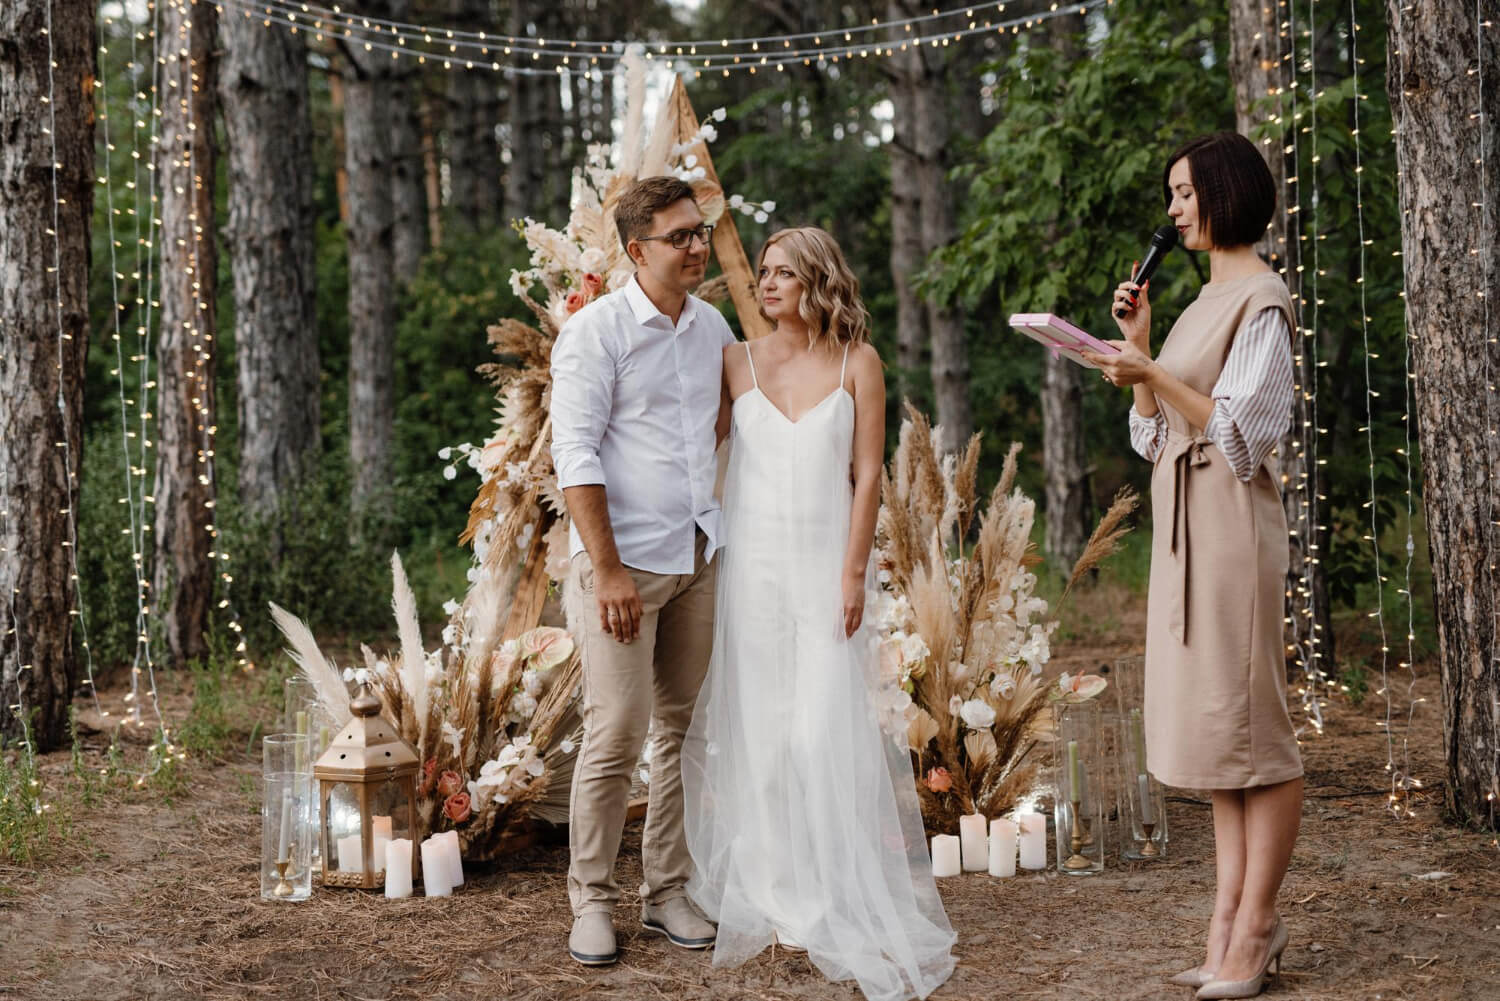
1075	790
1148	808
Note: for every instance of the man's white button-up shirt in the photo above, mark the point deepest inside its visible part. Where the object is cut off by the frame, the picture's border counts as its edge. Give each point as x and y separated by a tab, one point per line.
634	402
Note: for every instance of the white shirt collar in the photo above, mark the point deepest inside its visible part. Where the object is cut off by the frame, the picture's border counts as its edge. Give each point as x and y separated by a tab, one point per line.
645	311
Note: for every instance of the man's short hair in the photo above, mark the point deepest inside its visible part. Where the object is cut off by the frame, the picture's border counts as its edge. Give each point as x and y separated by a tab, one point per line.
642	200
1236	195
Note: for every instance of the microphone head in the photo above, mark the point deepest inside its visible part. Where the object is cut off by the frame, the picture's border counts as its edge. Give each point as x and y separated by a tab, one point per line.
1165	237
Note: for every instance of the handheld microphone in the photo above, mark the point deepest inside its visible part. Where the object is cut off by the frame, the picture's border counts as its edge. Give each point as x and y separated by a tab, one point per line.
1162	242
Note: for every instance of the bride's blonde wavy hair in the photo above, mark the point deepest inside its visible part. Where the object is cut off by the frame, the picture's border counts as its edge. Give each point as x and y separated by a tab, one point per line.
830	304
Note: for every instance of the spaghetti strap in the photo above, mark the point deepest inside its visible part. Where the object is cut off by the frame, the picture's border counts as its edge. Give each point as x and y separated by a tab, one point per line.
753	380
845	367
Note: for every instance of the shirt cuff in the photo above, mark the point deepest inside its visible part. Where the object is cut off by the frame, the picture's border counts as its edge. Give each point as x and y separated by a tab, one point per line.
578	470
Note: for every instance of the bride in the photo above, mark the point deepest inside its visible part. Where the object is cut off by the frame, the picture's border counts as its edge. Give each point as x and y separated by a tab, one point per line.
802	816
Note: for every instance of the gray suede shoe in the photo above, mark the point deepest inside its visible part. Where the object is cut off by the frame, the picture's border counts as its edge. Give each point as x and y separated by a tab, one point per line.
680	922
592	941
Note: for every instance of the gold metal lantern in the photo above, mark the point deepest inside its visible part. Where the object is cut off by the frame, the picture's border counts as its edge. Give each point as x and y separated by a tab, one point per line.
367	786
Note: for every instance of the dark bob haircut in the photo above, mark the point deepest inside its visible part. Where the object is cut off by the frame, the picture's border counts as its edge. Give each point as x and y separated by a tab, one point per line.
642	200
1236	195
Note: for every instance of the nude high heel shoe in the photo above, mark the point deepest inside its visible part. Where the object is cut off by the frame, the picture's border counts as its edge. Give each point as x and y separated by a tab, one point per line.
1217	989
1197	976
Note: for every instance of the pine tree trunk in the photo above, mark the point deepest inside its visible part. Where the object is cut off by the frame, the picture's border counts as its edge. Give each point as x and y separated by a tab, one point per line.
408	179
1259	62
906	224
187	342
1064	444
44	328
372	328
268	128
523	181
945	323
473	152
1448	240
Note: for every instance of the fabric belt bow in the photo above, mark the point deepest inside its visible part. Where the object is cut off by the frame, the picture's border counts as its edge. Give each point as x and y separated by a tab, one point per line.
1184	453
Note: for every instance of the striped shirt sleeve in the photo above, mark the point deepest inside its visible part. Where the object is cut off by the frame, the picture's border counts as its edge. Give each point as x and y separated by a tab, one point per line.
1253	397
1147	434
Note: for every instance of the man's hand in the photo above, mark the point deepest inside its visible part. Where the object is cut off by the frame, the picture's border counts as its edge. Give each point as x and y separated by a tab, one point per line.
619	603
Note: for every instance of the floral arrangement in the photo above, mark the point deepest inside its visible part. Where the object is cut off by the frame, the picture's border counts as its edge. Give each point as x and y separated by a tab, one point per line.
963	636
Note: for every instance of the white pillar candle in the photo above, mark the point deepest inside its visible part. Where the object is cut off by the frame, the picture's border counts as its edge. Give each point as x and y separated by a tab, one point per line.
377	851
1002	847
453	858
350	859
398	868
974	847
945	855
1033	840
1148	809
380	825
434	870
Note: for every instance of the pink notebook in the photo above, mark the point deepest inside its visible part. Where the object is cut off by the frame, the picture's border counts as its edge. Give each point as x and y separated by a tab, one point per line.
1060	335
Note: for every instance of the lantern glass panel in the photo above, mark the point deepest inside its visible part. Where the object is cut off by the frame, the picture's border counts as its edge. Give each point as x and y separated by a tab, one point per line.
341	808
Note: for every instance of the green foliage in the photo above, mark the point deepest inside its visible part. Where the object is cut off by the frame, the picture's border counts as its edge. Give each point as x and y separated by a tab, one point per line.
29	826
1354	681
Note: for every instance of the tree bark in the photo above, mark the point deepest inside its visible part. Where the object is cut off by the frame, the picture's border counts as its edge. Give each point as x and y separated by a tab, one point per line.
44	328
1449	153
1064	444
267	123
372	328
473	151
524	178
187	342
408	174
1260	63
906	223
929	133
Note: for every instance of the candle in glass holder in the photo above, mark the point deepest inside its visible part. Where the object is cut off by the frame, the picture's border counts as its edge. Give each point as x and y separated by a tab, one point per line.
284	842
972	842
1002	847
1033	840
398	868
351	857
1075	784
945	855
1148	808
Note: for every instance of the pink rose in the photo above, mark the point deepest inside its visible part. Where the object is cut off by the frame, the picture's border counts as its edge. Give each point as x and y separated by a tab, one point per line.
592	284
449	783
457	807
576	301
939	780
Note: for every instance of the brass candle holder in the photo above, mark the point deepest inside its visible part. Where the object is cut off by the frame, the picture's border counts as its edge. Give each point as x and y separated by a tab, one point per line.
1076	860
1149	849
283	885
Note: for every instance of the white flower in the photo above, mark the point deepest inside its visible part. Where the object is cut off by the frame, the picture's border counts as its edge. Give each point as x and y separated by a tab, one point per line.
450	606
735	201
449	473
768	206
884	576
958	670
454	738
977	714
1004	685
358	675
445	453
450	634
534	767
567	746
914	649
531	682
955	704
593	260
645	777
522	707
708	132
761	217
718	114
690	161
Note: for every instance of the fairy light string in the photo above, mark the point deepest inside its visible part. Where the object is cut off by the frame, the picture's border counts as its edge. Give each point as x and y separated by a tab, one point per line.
467	50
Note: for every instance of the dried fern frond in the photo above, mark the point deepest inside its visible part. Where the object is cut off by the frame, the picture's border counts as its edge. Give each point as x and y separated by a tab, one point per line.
1105	540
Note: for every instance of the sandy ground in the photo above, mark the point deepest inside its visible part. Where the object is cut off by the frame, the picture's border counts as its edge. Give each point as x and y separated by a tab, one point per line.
156	899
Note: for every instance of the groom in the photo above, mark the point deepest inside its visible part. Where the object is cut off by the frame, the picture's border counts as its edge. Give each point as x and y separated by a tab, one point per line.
635	401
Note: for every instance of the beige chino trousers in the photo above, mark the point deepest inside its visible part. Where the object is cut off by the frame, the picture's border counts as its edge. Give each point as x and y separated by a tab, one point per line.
626	688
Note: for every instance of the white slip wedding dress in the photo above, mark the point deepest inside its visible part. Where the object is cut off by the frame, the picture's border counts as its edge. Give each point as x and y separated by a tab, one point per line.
801	813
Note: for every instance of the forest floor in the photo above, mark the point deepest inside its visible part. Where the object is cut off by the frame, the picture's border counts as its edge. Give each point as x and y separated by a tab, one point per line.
153	892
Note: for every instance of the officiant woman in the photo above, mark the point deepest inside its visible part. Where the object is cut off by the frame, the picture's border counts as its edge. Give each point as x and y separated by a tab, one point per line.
1208	411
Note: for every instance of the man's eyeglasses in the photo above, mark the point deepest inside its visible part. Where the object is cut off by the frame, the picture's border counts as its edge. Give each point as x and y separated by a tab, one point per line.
682	239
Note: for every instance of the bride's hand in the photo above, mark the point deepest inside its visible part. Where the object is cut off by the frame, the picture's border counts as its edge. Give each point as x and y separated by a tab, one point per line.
854	602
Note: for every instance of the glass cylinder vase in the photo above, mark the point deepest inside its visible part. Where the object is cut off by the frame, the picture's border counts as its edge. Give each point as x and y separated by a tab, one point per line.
1078	761
285	839
304	714
1143	804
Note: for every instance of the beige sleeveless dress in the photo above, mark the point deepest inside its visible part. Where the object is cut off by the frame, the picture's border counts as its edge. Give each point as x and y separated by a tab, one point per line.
1216	715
